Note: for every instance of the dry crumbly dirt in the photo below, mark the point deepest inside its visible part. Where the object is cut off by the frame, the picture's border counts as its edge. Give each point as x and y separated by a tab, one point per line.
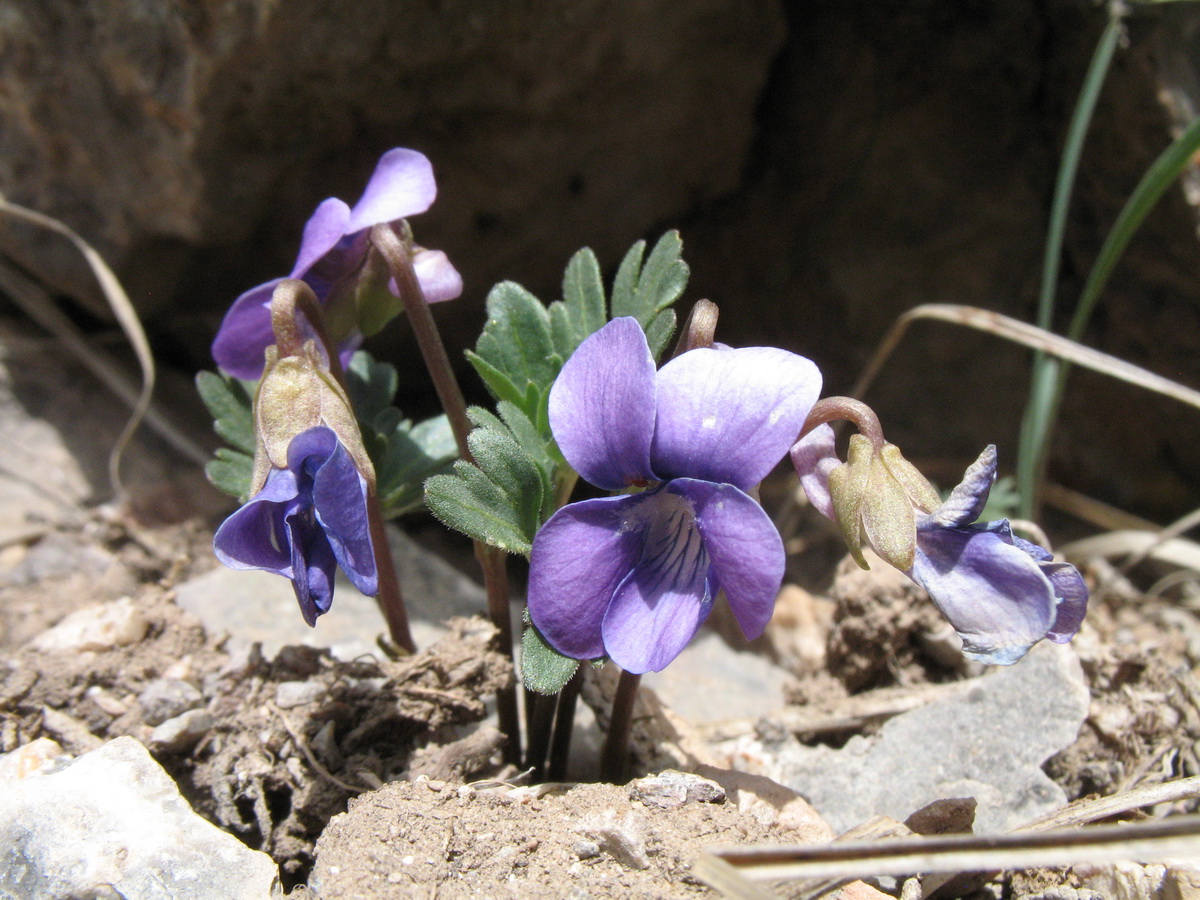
294	739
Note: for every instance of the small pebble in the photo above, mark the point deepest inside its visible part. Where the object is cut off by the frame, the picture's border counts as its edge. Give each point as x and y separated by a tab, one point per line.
586	849
182	732
290	694
166	698
99	627
671	789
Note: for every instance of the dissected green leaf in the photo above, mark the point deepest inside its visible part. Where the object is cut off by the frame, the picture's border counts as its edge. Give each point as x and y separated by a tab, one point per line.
645	291
371	386
516	342
499	455
582	311
498	383
544	669
540	449
230	471
410	455
470	502
231	405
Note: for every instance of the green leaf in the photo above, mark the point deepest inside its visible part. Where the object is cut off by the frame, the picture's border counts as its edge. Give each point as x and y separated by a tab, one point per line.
499	500
544	669
582	311
410	455
498	383
231	406
538	447
470	502
230	471
371	386
645	291
516	341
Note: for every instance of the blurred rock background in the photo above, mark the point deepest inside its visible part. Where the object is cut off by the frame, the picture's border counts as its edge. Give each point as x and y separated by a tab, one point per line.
829	164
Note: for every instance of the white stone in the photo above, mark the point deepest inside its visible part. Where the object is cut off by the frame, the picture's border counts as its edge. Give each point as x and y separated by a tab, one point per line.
114	820
35	758
98	627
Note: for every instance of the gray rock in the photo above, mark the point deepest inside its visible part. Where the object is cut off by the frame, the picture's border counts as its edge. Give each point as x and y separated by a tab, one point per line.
989	743
182	732
258	606
166	698
296	693
114	821
670	789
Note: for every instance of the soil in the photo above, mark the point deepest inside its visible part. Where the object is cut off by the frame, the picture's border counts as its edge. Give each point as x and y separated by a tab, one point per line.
293	742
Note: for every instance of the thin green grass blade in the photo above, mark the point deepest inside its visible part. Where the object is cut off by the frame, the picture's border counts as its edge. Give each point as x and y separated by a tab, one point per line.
1037	421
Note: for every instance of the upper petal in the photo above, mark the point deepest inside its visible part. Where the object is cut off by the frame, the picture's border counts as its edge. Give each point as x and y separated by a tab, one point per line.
814	457
402	185
253	537
579	557
966	502
744	547
730	415
245	333
340	501
659	606
439	279
602	406
992	592
328	225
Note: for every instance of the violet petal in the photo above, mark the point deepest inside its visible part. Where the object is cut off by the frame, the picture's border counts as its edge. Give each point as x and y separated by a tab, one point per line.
814	457
439	279
966	502
1072	592
253	536
340	500
579	557
744	547
991	591
657	609
313	565
322	232
402	185
602	407
245	333
730	415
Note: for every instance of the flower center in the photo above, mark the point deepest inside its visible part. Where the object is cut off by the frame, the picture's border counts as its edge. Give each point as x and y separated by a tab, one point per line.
673	552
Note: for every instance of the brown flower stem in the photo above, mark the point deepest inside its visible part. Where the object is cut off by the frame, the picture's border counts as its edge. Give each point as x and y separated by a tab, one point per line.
831	409
700	328
616	743
541	719
564	726
397	253
293	296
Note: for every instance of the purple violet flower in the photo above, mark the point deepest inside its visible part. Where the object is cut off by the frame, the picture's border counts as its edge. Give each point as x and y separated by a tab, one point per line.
334	247
634	576
1001	593
308	519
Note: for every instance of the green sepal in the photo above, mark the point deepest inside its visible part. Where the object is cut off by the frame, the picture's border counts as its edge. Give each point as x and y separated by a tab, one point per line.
543	669
230	471
230	403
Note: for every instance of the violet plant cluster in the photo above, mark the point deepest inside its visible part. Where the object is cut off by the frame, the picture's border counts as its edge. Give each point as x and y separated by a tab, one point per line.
319	456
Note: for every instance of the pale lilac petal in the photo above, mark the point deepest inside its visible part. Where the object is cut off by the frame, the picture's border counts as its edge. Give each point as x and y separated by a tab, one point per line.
744	547
579	557
730	415
245	333
966	502
1072	592
657	609
253	537
602	407
814	457
313	566
402	185
992	592
439	279
322	232
340	501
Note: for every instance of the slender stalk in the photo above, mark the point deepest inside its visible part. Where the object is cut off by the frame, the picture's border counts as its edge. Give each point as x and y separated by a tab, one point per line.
541	720
397	253
564	726
616	743
292	297
833	408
